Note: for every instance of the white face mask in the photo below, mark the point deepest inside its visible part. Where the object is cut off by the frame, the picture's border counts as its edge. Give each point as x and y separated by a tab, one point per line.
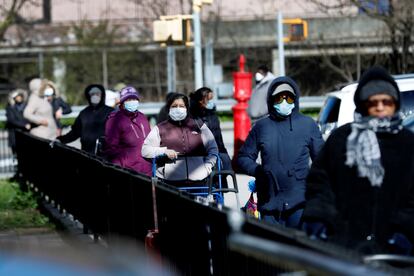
95	99
48	92
178	113
258	77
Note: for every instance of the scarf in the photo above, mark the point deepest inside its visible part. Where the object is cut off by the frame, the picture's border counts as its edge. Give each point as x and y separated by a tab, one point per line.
362	148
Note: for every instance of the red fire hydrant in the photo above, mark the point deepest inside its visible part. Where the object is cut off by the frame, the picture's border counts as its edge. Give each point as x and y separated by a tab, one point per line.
242	92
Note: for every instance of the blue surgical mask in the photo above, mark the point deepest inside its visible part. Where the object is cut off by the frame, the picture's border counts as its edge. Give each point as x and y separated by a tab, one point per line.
284	108
210	105
131	106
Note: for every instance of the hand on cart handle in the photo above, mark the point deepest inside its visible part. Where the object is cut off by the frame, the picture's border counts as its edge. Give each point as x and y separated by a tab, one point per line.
172	154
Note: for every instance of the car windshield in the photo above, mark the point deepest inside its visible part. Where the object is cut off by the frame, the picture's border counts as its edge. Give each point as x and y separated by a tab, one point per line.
329	112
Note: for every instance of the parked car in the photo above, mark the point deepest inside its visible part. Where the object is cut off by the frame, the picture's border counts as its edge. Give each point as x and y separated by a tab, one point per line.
339	106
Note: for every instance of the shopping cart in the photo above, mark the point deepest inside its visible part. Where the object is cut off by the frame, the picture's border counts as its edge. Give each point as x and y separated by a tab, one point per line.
214	192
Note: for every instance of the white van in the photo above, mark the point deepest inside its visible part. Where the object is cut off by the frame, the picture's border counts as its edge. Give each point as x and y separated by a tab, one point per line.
339	106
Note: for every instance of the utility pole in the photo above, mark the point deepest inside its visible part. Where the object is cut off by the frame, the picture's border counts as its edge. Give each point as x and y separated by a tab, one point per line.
171	75
198	62
280	44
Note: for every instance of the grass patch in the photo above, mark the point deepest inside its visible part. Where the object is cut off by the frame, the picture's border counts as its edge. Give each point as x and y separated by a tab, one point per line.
66	122
18	209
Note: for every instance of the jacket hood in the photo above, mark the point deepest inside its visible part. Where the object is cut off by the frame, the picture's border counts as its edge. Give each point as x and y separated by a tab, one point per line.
16	92
374	73
47	84
275	83
88	97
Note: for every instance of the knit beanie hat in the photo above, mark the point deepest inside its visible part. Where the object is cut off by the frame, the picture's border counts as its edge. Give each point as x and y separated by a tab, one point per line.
128	92
375	80
377	87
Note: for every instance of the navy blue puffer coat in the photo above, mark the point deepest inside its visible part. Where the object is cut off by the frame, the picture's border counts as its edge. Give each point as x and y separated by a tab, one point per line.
285	145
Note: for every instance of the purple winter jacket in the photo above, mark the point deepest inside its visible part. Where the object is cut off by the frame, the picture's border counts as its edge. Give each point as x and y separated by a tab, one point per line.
125	133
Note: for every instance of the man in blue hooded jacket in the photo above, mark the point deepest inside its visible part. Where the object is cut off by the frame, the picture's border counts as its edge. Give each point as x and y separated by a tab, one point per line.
285	140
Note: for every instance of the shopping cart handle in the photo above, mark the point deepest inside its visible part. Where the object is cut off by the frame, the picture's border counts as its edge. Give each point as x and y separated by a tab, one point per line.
154	163
235	188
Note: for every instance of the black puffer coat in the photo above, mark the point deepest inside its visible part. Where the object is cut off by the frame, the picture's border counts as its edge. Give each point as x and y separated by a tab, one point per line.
90	123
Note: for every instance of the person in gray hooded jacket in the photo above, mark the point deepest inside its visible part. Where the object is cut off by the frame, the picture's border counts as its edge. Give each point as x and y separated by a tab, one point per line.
286	139
257	104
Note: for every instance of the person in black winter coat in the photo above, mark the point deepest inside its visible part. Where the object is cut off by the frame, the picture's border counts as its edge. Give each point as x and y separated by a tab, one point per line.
89	126
360	189
202	107
286	139
14	115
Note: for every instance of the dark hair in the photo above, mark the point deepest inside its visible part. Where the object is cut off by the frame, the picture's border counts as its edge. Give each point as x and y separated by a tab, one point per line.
199	94
196	97
176	96
169	94
263	68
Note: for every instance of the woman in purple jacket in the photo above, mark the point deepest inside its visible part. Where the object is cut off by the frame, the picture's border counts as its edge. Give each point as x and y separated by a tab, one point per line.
125	132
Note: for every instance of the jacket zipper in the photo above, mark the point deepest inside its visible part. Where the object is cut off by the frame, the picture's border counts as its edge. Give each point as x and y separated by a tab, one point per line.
143	130
133	128
185	155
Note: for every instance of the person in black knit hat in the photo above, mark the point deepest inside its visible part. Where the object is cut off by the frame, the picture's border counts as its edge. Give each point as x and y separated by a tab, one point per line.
360	189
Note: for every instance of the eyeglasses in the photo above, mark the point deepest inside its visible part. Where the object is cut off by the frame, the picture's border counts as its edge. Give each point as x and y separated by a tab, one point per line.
385	102
284	96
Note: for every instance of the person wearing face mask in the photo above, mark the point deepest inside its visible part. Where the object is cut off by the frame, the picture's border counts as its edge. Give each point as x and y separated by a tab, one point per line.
257	108
202	107
90	123
188	145
14	115
286	139
60	107
39	111
125	132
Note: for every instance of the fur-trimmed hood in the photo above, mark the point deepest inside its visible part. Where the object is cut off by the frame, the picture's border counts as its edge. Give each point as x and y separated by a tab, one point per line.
16	92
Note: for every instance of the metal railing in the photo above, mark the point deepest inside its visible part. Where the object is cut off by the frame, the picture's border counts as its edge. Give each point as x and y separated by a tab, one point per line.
8	162
223	105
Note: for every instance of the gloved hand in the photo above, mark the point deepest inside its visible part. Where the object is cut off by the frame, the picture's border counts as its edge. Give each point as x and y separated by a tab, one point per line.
399	244
252	186
260	175
315	230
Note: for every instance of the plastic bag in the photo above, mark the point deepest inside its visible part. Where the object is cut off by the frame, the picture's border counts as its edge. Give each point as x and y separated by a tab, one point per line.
250	208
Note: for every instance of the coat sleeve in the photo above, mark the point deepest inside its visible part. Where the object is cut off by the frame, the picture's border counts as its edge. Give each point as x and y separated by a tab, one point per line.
210	146
74	133
403	221
320	199
316	141
151	147
219	136
248	154
30	112
112	138
13	121
66	109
